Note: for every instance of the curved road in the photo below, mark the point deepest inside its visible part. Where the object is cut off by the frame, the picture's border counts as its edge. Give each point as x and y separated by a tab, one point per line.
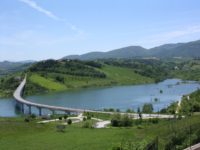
18	97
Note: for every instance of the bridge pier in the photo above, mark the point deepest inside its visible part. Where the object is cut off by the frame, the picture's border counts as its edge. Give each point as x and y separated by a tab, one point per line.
22	108
29	109
18	106
53	112
40	111
68	112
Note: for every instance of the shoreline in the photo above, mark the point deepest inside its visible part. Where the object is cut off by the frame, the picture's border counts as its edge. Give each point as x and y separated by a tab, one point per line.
81	88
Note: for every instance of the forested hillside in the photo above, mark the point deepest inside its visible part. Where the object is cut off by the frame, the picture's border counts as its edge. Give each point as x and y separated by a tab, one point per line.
61	75
57	75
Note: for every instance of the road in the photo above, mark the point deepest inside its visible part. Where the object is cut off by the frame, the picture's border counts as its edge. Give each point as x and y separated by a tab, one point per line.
194	147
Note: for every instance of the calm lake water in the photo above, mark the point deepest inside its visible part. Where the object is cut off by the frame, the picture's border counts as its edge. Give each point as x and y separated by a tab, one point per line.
121	97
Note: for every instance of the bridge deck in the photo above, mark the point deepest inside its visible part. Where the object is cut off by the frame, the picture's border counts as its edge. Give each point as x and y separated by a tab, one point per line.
18	92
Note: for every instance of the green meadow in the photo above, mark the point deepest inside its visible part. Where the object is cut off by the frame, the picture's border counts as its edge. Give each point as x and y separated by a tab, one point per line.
17	134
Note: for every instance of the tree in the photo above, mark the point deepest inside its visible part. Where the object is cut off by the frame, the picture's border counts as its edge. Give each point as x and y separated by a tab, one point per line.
147	108
115	121
117	110
84	119
65	117
89	117
138	110
69	121
129	110
27	120
60	79
60	118
139	113
121	121
126	121
87	124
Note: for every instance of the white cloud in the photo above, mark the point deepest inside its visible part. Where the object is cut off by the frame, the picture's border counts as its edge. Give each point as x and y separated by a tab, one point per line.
35	6
50	14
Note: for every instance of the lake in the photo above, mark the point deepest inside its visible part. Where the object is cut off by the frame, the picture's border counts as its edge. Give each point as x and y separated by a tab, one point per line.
118	97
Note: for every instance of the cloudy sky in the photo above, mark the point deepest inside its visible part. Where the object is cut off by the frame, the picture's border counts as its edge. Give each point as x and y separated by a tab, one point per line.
42	29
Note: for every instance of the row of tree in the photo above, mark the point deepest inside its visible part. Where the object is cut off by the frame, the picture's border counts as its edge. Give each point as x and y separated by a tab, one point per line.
72	67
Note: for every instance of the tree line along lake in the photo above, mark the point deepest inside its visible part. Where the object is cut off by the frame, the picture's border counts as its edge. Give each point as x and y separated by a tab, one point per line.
117	97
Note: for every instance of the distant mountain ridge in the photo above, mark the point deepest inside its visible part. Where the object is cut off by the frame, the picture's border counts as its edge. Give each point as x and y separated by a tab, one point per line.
185	50
7	67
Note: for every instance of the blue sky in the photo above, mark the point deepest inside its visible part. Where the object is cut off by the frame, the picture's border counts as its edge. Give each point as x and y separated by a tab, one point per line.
42	29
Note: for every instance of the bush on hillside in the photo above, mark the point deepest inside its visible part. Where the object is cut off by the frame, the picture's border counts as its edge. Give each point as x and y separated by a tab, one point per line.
71	67
121	121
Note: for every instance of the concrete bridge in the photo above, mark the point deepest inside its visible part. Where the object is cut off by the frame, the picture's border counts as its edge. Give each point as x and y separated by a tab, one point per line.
18	97
20	100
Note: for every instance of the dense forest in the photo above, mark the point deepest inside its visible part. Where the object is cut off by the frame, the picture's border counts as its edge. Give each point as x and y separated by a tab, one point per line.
161	69
71	67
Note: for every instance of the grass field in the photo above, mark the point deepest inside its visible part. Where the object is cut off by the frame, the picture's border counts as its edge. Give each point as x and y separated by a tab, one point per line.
125	75
46	83
17	134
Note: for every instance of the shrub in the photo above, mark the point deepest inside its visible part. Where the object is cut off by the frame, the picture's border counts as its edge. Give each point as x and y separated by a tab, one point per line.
138	121
126	121
60	118
147	108
109	110
140	127
27	120
65	116
163	111
69	121
116	120
33	116
60	79
117	110
155	120
129	110
93	64
60	128
89	117
84	119
121	121
87	124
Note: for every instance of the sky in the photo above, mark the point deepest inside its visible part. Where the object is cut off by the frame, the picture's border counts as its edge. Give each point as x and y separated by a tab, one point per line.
44	29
